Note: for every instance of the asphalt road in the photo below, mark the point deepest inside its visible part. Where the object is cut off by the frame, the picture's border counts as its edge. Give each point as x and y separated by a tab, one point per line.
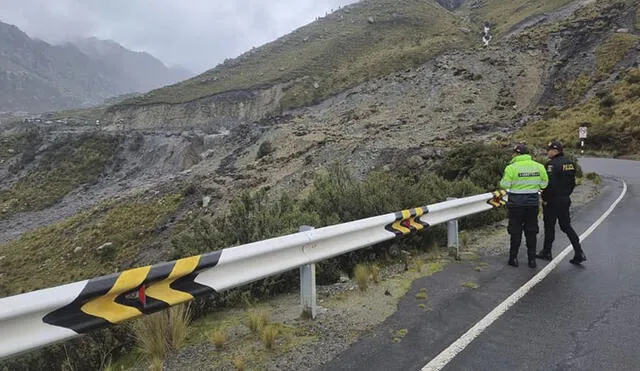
577	318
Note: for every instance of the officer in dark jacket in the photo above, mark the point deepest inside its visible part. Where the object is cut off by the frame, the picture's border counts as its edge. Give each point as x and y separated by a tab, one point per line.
556	200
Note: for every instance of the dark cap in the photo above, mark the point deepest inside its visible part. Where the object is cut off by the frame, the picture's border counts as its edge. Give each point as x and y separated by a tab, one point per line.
520	149
555	145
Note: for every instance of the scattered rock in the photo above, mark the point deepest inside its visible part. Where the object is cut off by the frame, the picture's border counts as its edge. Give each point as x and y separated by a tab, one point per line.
370	20
2	257
344	279
11	150
465	30
78	249
316	85
206	200
415	162
105	246
622	30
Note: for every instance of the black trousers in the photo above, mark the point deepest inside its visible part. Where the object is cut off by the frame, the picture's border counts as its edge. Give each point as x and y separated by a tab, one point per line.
558	210
523	219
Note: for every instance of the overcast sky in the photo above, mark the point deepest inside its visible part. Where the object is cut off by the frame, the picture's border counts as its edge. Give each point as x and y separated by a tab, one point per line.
197	34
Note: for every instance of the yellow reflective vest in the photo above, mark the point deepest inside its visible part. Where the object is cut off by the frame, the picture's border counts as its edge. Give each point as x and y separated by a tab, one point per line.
524	179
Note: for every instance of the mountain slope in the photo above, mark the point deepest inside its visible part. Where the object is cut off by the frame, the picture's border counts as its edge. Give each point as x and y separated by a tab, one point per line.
36	76
365	40
369	39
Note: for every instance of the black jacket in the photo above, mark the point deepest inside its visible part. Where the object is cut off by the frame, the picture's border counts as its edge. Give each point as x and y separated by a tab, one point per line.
562	179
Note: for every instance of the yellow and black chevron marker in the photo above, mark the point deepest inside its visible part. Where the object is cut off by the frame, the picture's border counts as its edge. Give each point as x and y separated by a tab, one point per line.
129	294
498	199
407	221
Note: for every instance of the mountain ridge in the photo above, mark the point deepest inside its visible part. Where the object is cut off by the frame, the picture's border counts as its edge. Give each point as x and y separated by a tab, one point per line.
36	76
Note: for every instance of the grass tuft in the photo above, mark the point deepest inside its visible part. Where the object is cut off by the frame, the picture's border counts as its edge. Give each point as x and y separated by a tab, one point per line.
219	338
470	285
361	275
258	320
269	335
374	270
160	333
238	363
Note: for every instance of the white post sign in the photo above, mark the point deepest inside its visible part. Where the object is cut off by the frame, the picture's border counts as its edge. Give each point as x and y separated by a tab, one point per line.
582	134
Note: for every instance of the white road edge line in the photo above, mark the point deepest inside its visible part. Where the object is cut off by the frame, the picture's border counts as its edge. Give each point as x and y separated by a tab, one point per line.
447	355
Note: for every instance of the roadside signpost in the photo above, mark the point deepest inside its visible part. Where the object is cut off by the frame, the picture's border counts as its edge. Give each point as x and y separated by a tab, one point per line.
582	135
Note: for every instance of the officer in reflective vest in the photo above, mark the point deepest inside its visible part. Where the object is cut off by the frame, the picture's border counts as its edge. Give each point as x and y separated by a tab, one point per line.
556	201
523	179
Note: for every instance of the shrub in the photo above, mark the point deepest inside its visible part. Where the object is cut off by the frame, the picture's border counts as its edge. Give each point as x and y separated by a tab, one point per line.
482	164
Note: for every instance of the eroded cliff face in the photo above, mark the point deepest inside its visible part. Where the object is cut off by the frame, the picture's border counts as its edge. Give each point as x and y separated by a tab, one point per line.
214	112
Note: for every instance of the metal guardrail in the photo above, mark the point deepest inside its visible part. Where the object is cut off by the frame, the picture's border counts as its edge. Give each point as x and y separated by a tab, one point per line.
43	317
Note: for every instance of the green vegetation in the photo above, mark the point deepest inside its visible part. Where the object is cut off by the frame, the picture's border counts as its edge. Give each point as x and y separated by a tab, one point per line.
335	197
422	294
64	167
481	163
578	87
330	55
100	241
470	285
594	177
609	53
398	335
25	144
613	118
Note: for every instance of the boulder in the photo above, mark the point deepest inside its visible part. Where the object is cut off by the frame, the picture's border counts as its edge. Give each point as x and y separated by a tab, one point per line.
206	200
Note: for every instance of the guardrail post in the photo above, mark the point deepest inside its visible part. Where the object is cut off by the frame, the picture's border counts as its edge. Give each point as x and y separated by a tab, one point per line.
452	235
308	285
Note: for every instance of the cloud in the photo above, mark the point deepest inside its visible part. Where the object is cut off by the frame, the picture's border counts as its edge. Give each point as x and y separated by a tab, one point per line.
197	34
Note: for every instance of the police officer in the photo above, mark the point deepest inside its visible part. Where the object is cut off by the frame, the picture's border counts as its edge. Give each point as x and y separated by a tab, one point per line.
556	200
523	179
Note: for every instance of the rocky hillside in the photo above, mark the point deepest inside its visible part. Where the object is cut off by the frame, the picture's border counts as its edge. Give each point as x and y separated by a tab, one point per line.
362	41
406	119
37	77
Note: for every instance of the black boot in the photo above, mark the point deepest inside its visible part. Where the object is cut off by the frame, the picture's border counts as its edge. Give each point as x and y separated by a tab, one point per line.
513	262
578	258
544	255
532	263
